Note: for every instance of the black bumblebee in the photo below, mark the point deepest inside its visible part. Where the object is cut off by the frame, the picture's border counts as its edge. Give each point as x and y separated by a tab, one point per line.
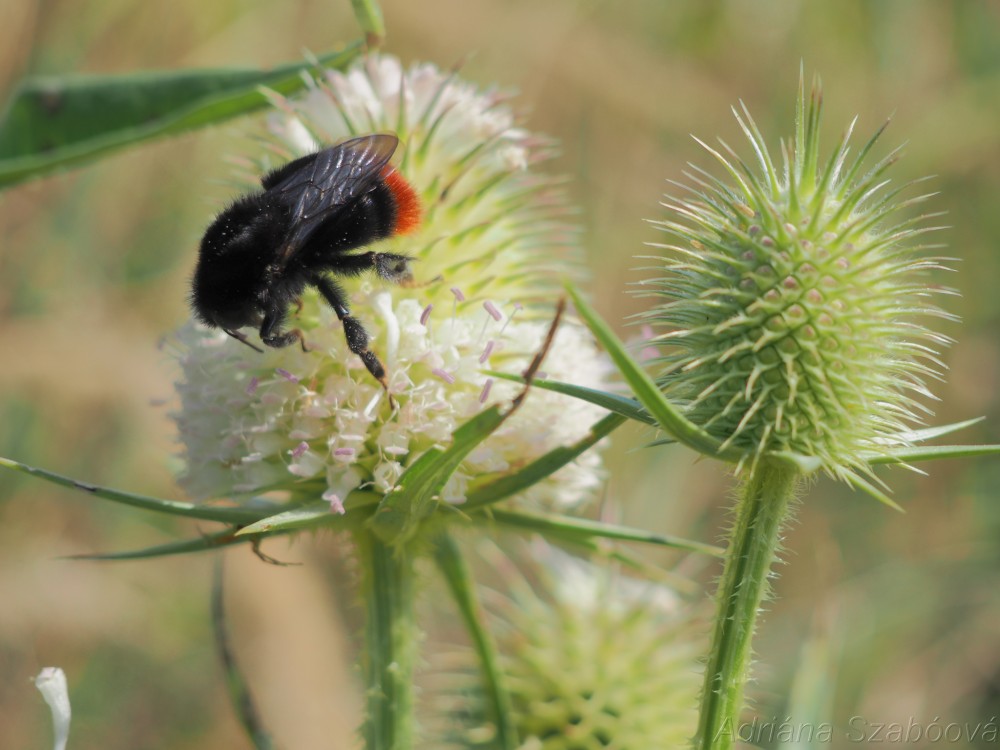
261	252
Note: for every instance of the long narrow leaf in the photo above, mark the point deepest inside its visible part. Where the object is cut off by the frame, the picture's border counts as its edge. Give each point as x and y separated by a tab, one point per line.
934	452
201	544
456	573
647	392
583	528
52	123
310	516
416	492
626	407
204	512
590	546
542	467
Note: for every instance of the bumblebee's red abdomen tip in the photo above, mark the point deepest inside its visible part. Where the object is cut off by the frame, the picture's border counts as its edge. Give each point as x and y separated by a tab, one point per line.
408	210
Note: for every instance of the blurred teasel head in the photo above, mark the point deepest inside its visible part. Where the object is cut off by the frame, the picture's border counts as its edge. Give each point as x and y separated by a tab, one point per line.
591	658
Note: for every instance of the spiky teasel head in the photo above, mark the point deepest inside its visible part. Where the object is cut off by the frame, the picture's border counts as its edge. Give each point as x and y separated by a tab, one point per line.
794	301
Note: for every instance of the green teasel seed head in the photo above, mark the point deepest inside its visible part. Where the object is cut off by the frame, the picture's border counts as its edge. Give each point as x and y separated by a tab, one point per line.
791	309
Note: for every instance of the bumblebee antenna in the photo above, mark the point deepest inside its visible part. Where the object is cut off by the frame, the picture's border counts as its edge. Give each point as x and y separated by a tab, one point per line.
241	337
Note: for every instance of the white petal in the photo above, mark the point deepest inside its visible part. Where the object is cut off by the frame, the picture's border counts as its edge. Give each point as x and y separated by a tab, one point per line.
51	683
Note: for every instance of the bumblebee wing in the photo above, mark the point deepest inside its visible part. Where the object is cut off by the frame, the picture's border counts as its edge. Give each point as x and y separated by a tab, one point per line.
278	175
327	181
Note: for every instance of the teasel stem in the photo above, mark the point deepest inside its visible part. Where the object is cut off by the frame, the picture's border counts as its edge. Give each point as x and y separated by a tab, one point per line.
390	643
762	510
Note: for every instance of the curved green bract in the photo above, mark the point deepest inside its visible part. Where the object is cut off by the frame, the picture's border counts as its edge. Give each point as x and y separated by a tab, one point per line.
581	529
613	402
647	392
401	511
236	516
205	543
543	467
310	516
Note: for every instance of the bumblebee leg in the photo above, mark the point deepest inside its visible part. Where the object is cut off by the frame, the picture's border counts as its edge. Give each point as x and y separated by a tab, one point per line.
240	336
395	268
389	266
272	335
354	332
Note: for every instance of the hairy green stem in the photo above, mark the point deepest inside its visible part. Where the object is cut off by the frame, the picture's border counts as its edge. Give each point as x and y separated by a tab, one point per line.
390	643
761	512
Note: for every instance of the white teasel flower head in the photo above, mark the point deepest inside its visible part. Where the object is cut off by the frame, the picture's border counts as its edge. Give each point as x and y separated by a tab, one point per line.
492	246
795	303
591	659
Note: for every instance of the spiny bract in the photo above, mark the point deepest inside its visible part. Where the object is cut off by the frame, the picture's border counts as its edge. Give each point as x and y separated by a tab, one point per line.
793	301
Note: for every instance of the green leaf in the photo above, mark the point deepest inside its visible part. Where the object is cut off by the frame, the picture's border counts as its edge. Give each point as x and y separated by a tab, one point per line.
233	516
239	690
541	468
313	515
201	544
51	123
456	573
582	528
626	407
933	452
646	391
401	511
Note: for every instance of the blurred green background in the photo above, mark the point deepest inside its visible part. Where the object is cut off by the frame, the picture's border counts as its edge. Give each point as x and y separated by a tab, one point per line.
887	617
